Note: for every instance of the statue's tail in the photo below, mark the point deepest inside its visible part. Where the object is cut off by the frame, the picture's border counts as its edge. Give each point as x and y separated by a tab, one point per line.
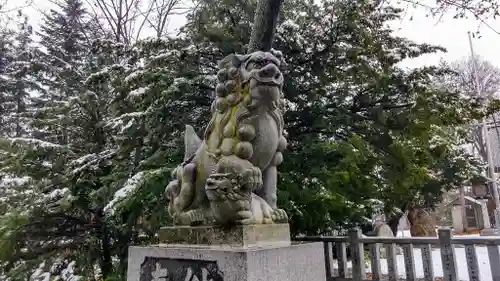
191	142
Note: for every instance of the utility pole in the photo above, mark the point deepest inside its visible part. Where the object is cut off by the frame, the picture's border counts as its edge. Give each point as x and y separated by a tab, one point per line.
486	139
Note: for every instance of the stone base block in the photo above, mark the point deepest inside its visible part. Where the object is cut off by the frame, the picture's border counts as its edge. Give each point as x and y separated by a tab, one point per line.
489	232
295	262
239	236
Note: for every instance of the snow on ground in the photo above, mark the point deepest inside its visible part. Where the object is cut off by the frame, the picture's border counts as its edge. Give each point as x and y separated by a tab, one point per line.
482	256
404	233
461	261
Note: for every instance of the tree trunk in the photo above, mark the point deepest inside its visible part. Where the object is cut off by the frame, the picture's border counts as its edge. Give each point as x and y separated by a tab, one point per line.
106	262
412	212
394	224
264	24
124	242
18	118
422	223
394	219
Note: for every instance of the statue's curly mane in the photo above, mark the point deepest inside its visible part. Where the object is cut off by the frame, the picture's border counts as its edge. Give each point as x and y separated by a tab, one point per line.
233	106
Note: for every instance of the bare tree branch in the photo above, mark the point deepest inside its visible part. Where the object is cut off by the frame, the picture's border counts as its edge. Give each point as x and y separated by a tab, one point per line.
5	10
464	81
482	10
129	19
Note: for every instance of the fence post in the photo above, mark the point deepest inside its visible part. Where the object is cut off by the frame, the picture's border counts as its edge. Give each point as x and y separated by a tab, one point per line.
358	255
375	260
341	258
409	262
328	259
472	264
447	255
428	264
494	258
392	263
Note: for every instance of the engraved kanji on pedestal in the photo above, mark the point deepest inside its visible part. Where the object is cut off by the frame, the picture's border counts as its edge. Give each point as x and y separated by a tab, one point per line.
165	269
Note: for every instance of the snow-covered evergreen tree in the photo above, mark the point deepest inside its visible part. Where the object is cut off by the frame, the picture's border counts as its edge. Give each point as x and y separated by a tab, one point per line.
50	227
19	84
102	133
154	90
65	43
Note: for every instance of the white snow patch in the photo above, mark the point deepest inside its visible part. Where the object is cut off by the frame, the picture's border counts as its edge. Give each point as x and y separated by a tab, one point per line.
37	142
130	123
68	274
10	181
58	192
138	92
91	160
129	187
133	75
83	159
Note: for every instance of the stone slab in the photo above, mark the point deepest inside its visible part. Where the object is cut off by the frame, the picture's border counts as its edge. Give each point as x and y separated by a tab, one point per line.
383	230
489	232
296	262
239	236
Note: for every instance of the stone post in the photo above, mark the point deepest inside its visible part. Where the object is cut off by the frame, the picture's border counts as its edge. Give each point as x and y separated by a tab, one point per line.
484	213
487	230
456	215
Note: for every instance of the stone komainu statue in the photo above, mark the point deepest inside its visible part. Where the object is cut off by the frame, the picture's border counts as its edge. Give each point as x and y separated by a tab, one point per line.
230	176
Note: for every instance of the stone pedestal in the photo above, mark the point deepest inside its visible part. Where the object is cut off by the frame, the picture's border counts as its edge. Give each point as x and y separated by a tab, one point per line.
492	231
244	253
488	232
239	236
485	218
384	231
456	215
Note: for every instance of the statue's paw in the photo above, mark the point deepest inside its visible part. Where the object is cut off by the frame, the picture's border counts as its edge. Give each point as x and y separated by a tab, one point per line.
191	217
279	216
246	221
244	215
267	221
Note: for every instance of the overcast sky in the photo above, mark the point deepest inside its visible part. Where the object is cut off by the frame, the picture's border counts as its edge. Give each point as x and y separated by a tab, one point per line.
447	32
451	34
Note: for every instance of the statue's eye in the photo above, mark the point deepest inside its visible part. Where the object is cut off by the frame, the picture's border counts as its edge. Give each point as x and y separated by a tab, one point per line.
252	65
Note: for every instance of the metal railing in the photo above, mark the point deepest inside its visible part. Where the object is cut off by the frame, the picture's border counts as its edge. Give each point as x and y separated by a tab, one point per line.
431	250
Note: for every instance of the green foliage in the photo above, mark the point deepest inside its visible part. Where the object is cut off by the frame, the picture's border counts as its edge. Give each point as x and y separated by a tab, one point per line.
89	170
369	127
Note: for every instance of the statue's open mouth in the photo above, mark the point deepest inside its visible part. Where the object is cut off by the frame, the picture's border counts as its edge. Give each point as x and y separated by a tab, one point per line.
270	82
260	81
